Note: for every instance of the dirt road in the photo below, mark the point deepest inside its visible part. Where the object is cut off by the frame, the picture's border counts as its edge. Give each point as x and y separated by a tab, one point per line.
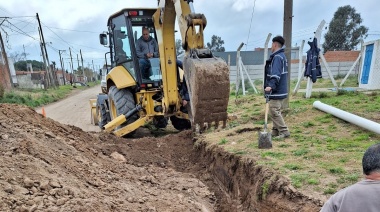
74	110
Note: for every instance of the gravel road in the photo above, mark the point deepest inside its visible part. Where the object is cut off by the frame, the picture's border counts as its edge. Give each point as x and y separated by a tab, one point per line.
79	104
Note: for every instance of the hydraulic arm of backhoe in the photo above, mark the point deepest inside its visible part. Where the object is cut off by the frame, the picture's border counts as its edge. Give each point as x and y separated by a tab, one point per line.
207	77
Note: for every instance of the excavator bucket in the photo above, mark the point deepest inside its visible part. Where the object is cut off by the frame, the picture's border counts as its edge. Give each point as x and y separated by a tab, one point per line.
209	87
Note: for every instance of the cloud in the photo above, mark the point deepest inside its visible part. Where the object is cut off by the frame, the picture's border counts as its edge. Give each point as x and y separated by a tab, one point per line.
77	23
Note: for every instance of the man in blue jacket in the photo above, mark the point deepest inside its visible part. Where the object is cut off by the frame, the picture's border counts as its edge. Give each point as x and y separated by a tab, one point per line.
276	86
146	48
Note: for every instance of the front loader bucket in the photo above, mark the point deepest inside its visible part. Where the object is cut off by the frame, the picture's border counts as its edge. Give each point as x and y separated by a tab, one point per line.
208	84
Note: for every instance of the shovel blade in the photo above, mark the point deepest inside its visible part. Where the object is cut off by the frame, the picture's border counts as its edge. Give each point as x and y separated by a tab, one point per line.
265	140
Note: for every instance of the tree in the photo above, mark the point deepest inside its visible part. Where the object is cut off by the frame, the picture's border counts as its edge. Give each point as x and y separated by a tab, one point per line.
216	44
178	47
21	65
345	30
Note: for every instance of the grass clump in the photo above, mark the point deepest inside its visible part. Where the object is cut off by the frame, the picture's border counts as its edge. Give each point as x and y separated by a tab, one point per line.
336	170
292	166
223	141
278	155
298	179
2	90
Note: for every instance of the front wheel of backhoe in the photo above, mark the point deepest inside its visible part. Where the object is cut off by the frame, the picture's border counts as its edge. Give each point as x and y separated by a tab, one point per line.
121	102
103	115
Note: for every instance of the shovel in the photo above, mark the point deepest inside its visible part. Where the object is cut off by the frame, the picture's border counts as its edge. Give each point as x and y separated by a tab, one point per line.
265	138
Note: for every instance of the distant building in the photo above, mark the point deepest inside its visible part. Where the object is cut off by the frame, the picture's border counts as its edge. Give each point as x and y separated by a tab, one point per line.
255	57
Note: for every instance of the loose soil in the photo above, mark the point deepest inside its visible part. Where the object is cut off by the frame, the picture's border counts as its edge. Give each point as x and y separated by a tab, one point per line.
47	165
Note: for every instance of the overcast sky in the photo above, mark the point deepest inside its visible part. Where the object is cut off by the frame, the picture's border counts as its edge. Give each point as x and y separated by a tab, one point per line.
77	23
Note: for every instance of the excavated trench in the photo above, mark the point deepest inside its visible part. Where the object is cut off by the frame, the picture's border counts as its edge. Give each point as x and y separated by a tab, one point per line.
239	184
49	166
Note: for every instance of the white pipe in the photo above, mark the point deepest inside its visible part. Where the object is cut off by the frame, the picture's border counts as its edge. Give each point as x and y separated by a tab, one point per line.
359	121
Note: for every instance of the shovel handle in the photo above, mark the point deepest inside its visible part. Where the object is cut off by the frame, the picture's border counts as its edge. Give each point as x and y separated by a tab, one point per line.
266	116
266	110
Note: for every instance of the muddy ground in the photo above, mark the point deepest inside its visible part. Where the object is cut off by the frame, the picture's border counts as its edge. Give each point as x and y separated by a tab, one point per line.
50	166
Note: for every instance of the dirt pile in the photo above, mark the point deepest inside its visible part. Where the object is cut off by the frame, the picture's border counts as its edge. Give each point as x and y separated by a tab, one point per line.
47	166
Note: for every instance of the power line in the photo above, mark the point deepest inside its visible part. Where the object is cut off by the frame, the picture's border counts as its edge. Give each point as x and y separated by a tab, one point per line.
20	31
73	30
250	25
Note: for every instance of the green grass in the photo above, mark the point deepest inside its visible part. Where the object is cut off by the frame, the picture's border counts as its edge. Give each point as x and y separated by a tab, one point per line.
37	97
324	152
350	178
291	166
223	141
278	155
300	152
313	181
299	179
336	170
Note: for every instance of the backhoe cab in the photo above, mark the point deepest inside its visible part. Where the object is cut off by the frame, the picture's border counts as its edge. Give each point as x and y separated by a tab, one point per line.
134	96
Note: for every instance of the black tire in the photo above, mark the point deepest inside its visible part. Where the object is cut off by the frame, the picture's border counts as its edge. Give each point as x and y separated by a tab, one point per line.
124	102
160	121
104	116
180	124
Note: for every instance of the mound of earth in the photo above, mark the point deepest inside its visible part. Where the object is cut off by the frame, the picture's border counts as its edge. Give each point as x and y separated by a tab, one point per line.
48	166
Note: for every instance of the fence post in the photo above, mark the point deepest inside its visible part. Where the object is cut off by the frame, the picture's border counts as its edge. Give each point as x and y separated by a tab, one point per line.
300	69
266	54
238	70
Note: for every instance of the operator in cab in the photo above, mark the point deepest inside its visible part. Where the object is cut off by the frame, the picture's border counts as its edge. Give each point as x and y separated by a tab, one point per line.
146	48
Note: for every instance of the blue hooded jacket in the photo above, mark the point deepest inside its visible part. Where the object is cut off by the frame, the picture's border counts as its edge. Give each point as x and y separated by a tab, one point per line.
276	75
312	65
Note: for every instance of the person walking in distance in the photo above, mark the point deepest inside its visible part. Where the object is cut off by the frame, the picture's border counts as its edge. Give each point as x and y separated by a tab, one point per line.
276	86
363	195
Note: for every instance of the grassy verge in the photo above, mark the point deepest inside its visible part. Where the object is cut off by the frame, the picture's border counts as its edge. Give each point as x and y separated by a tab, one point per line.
38	97
323	153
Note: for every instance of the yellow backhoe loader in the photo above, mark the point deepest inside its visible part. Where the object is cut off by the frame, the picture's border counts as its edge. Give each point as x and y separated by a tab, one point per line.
134	98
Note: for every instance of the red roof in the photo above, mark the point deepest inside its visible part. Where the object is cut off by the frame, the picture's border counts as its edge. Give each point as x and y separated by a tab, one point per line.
341	56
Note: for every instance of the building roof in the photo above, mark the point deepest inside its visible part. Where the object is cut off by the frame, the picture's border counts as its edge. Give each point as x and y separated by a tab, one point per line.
341	56
248	57
252	57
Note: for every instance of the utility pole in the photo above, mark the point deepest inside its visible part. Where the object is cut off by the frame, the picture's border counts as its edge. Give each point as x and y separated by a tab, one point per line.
93	69
6	82
45	52
62	66
81	59
78	68
24	51
46	78
287	31
72	68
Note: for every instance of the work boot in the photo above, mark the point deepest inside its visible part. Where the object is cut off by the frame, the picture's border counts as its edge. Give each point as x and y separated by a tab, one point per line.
275	132
283	134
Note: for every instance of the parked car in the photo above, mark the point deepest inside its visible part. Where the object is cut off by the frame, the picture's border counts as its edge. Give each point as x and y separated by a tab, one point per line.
77	83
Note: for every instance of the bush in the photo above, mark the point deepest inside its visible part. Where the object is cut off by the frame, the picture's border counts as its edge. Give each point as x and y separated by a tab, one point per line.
1	91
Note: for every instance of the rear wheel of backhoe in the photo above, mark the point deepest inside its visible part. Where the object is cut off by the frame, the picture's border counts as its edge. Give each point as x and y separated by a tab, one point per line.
180	124
121	102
